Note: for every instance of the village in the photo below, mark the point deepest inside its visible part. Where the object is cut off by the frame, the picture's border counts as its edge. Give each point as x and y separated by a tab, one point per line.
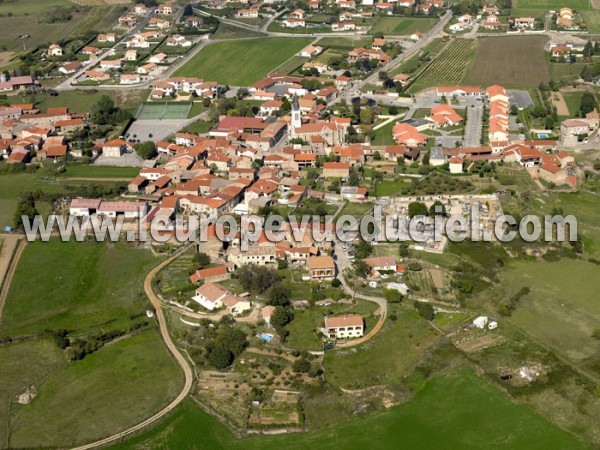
188	113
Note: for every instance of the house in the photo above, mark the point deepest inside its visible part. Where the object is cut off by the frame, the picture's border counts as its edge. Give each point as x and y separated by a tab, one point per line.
455	165
406	134
96	75
297	14
55	50
159	58
178	40
114	148
131	55
193	21
311	50
165	9
89	50
130	78
146	69
127	20
140	9
51	152
343	26
247	13
270	106
524	22
458	91
321	268
111	64
344	327
210	296
84	207
210	275
107	37
354	193
416	36
69	68
382	264
130	210
444	115
266	313
293	23
336	170
402	78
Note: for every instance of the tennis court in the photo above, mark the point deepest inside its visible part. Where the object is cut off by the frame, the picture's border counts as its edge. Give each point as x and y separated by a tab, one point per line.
163	110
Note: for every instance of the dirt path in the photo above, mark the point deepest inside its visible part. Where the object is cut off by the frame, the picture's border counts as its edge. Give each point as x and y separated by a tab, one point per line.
595	4
185	366
559	102
11	253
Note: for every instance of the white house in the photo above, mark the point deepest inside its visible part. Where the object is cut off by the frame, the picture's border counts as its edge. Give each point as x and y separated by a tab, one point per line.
342	327
213	296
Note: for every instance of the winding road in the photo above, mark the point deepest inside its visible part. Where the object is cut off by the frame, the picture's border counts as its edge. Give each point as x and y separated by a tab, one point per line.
183	363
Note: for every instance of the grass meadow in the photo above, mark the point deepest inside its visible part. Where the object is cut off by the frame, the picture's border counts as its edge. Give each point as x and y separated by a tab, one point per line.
257	56
456	410
402	25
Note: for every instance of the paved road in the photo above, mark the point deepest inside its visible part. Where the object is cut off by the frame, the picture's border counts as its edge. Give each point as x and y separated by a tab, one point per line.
185	366
473	126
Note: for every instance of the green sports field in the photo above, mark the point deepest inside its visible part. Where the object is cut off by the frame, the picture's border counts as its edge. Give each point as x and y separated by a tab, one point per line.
223	62
163	110
456	411
551	4
402	25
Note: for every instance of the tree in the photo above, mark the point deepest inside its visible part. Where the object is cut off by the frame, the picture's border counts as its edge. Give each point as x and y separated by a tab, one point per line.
588	103
588	50
146	150
417	209
514	110
203	260
437	209
586	73
366	116
280	295
256	278
377	155
361	268
425	310
392	296
188	11
232	339
363	249
393	110
301	365
220	357
280	317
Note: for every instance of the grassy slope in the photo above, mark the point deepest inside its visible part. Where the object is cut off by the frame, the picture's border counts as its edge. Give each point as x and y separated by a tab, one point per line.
107	391
257	57
563	310
101	172
74	286
457	410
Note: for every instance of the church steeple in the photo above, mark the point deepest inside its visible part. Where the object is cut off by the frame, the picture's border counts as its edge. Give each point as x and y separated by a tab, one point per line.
296	117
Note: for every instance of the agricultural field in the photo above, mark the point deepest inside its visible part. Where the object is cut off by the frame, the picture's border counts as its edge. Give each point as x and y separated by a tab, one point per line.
518	61
26	7
573	101
345	43
551	4
450	67
566	72
402	25
257	56
388	188
592	19
480	416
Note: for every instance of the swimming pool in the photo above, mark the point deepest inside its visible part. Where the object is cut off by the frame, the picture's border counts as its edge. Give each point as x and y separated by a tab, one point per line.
266	337
542	136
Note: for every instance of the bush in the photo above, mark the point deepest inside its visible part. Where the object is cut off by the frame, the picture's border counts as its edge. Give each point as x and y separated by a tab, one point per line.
425	310
336	283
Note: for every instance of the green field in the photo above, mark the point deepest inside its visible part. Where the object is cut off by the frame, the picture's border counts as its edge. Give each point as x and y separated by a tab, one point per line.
222	61
402	25
110	390
551	4
592	19
573	101
25	7
163	110
101	172
458	410
80	100
341	42
387	188
77	286
360	367
563	310
84	288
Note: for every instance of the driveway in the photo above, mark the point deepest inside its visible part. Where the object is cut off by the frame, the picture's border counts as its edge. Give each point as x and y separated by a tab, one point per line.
473	126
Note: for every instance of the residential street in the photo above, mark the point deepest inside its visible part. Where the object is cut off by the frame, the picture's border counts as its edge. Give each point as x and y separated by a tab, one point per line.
473	126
